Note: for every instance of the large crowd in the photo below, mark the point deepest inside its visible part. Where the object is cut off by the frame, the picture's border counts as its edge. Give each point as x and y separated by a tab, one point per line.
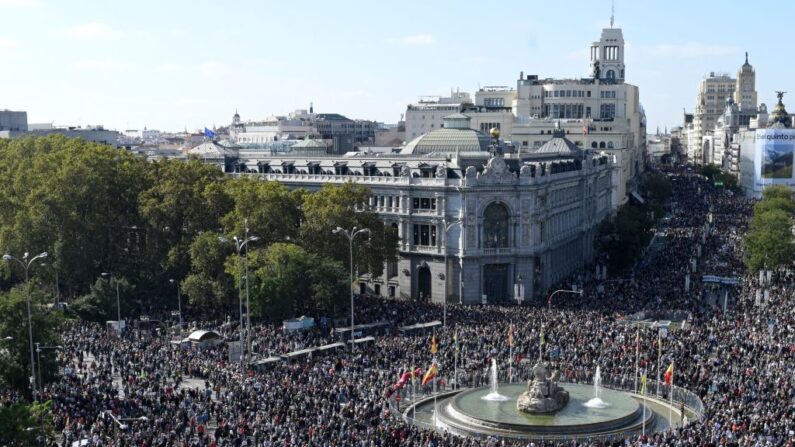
140	389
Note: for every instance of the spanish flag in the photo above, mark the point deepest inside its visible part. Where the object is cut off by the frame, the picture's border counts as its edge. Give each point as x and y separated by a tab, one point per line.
669	374
434	345
432	371
510	335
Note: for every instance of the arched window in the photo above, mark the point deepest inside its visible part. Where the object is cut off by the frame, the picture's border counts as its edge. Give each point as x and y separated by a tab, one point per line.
610	145
602	145
611	74
496	225
594	145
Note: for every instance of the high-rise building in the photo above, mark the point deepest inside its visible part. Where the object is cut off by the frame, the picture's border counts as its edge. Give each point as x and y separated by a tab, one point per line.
600	111
745	89
719	94
712	93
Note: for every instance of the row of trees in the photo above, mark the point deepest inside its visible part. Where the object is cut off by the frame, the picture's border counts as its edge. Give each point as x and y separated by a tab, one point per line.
624	237
99	210
715	174
769	242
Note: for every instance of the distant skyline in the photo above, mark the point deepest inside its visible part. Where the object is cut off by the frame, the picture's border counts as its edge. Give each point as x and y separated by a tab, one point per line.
189	64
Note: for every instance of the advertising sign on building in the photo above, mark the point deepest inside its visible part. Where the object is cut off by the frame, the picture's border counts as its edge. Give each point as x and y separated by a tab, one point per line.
775	157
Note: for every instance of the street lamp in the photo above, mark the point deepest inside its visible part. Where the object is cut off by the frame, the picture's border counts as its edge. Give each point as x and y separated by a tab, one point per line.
549	300
179	303
351	235
118	302
240	244
25	263
446	229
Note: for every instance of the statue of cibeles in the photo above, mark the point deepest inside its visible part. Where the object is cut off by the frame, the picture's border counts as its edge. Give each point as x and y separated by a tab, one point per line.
543	394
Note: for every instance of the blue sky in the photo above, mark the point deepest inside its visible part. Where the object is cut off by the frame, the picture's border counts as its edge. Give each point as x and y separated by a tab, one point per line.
174	64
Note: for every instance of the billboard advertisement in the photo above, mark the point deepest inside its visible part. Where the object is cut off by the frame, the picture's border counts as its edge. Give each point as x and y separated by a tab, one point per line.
775	156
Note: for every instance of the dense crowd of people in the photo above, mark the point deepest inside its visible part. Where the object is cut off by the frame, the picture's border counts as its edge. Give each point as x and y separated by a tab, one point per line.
140	389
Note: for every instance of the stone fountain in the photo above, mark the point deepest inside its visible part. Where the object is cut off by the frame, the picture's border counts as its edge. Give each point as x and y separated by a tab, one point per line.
543	394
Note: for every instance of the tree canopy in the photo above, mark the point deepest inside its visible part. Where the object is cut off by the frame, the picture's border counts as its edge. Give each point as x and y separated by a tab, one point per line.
770	242
96	209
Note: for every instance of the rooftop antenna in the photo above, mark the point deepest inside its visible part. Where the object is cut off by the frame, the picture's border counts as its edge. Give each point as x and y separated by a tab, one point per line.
612	12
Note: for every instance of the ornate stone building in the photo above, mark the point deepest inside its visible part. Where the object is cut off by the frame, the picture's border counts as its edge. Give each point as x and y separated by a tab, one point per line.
478	221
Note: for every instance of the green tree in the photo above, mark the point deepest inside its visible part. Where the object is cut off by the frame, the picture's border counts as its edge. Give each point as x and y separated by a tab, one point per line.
710	171
15	352
184	201
658	187
207	285
273	211
74	199
100	303
22	424
769	242
777	191
624	237
286	280
774	203
345	206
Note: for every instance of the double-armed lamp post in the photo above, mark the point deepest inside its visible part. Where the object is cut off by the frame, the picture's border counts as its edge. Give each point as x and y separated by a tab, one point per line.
351	235
26	264
241	244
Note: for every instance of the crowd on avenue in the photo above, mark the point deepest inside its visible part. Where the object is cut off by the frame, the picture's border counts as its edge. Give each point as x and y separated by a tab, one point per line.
137	389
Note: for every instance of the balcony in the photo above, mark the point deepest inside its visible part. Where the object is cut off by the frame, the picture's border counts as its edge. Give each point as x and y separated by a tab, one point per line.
497	251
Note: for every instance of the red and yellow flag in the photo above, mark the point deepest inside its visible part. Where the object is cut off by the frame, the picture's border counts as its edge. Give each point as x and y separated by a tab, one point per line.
669	374
432	371
434	345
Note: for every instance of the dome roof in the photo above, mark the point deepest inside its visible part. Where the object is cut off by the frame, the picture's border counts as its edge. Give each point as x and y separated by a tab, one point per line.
309	146
309	143
210	149
559	146
779	117
448	140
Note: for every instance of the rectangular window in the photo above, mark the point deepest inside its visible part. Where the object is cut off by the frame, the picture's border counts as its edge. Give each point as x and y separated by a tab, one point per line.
425	235
607	111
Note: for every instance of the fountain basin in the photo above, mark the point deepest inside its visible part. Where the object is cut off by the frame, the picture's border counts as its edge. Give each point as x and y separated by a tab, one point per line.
467	413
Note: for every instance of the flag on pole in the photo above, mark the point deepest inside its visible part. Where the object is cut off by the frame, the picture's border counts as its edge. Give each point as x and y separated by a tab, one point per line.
542	335
643	384
432	371
455	342
510	335
208	133
669	374
434	345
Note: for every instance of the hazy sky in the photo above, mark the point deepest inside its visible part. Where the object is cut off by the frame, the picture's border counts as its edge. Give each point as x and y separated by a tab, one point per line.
174	64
